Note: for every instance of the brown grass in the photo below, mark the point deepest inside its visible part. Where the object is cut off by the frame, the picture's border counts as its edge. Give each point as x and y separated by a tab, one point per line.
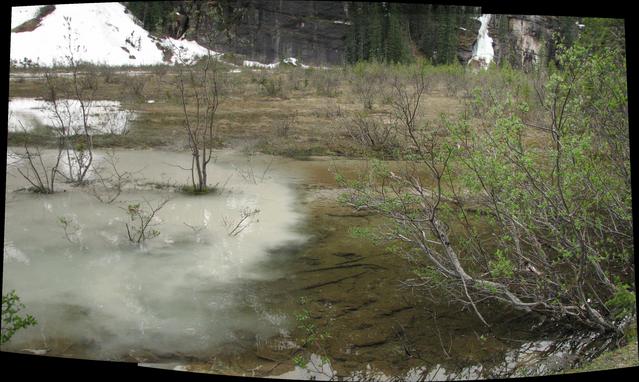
245	113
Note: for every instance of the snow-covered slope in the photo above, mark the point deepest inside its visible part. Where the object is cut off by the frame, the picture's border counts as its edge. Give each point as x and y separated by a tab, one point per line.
102	33
21	14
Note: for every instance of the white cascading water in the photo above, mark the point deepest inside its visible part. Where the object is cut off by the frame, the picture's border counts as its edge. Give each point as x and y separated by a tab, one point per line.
483	52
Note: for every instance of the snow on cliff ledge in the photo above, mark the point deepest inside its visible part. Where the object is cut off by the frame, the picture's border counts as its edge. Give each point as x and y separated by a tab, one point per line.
483	52
101	33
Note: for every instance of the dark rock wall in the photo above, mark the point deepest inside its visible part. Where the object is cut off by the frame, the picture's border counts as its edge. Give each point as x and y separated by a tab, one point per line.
316	31
467	38
269	30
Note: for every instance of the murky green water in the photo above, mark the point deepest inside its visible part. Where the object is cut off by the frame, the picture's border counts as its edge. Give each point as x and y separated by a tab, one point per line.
199	298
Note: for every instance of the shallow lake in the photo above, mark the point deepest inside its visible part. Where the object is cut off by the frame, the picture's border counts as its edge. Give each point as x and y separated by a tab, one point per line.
222	286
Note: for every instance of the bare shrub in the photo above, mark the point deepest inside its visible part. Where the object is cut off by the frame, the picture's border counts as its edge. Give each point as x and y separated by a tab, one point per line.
143	220
136	86
65	95
331	111
368	81
405	98
248	172
160	70
297	78
111	180
39	175
235	226
284	125
271	85
199	88
109	74
326	82
452	78
372	131
365	89
71	227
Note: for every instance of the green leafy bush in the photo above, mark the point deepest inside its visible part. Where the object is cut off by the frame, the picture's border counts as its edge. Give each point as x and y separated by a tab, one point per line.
12	320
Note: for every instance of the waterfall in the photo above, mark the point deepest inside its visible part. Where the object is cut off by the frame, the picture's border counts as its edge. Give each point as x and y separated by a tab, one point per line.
483	52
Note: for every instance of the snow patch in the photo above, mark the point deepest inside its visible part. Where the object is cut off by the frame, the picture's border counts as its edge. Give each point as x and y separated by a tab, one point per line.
105	33
105	117
288	61
12	158
293	61
185	51
255	64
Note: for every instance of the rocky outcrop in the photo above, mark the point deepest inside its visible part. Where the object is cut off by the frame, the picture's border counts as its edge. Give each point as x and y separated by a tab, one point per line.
466	38
316	32
529	38
267	31
519	39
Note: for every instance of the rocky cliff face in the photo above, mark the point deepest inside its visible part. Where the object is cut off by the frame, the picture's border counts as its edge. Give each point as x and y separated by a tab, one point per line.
519	39
467	38
316	31
266	31
527	39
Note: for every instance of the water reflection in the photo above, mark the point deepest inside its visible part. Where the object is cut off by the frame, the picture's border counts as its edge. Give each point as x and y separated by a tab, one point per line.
196	297
530	359
185	292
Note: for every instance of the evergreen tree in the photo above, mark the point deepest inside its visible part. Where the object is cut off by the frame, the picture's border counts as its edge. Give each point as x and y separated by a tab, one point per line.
397	40
505	53
375	33
600	33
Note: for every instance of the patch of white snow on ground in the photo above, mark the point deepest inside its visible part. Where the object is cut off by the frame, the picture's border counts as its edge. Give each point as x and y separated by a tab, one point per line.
104	33
294	61
255	64
185	51
105	117
101	30
12	158
289	61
